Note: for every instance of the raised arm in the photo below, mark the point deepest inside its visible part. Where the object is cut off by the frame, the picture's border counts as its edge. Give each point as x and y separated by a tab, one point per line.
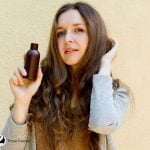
108	106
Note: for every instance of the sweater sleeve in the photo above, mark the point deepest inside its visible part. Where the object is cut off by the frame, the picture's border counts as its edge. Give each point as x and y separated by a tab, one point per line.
108	106
16	135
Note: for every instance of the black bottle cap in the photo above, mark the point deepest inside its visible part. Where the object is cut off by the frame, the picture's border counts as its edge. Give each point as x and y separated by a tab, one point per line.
34	46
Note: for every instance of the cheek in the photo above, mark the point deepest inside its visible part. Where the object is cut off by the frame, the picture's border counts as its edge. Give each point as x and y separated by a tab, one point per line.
60	46
59	42
84	42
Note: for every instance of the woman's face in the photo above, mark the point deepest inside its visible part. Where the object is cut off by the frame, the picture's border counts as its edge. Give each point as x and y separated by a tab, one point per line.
72	37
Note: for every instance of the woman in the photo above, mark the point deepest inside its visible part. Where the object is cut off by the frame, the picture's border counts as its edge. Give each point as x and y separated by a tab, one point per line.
74	103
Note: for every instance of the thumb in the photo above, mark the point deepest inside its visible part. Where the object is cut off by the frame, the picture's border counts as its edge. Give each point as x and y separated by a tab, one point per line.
39	75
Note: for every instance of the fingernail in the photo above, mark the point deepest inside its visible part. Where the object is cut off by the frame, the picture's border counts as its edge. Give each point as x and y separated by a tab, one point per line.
24	73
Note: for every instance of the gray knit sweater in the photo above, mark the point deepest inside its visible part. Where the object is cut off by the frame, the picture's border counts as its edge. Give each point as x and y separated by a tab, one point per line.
107	110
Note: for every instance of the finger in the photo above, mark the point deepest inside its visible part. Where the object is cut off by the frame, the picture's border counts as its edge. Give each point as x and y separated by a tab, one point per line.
11	81
112	41
19	77
115	42
22	70
112	53
115	48
15	80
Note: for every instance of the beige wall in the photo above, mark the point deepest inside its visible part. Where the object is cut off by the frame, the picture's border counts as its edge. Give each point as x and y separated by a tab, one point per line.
26	21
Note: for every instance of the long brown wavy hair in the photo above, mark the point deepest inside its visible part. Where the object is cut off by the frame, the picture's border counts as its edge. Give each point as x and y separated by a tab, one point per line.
62	102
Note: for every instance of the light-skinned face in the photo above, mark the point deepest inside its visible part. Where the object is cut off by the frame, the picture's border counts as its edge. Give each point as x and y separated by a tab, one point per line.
72	37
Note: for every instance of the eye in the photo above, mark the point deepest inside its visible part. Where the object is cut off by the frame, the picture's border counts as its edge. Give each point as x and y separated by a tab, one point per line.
60	34
79	30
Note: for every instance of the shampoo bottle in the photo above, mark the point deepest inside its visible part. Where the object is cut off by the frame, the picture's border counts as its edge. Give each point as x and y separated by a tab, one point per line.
32	59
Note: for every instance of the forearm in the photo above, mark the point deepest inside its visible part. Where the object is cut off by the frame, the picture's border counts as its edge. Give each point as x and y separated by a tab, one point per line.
19	113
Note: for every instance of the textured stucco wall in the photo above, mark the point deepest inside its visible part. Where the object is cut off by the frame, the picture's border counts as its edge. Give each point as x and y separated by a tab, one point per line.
26	21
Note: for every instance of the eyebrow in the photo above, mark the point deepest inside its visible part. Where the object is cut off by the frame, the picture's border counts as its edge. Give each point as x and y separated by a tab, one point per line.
76	24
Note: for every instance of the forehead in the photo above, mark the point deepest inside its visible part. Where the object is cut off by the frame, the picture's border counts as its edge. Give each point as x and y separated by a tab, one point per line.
70	17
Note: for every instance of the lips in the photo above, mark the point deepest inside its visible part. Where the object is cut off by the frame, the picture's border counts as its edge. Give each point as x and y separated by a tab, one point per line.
70	50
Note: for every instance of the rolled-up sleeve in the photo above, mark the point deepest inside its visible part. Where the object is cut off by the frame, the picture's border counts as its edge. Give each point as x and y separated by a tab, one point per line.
16	135
108	106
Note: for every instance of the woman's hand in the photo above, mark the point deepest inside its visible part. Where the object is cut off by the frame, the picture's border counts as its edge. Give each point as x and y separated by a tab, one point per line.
111	54
107	59
23	89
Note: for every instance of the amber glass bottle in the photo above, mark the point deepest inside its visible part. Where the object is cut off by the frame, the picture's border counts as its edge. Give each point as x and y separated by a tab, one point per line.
32	59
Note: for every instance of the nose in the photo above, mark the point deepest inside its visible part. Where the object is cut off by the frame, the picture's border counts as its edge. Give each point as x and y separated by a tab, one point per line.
68	37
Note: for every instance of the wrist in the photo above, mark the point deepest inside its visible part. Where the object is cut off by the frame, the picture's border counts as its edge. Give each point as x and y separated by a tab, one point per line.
23	103
21	107
19	113
106	63
105	69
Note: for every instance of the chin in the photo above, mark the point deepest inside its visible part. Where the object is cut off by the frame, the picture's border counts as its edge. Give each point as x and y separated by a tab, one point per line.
71	63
